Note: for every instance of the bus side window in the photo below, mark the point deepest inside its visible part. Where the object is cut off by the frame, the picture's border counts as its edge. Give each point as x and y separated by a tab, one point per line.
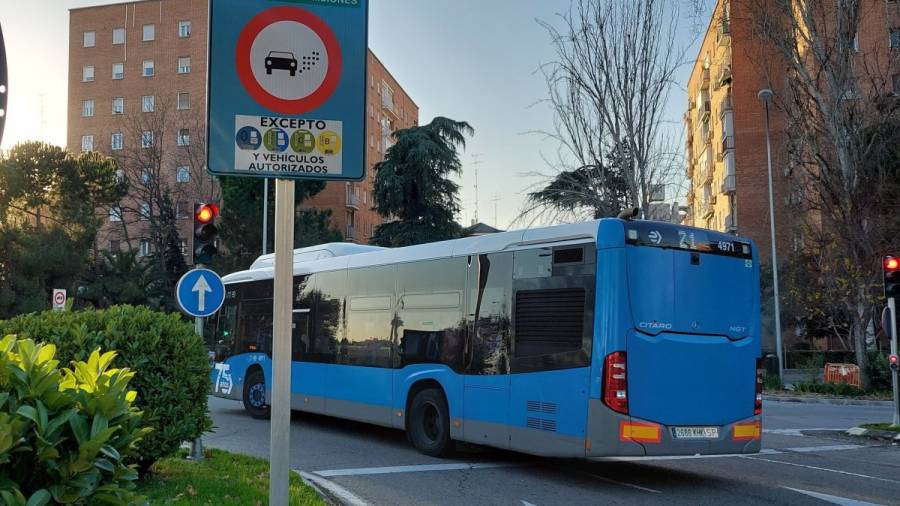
328	316
223	345
490	304
256	328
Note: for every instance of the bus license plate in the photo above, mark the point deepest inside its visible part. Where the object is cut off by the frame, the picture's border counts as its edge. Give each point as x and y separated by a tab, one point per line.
696	432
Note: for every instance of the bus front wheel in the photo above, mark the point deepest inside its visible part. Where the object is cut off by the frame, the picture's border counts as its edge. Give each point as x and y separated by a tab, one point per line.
429	423
255	395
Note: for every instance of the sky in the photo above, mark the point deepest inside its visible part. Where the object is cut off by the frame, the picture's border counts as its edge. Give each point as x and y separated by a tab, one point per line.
469	60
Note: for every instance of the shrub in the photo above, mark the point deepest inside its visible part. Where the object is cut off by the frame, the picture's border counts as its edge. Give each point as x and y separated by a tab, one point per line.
170	361
772	382
879	371
829	388
64	434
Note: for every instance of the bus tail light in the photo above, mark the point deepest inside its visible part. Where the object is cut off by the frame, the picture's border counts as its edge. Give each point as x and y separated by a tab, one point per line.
760	373
615	382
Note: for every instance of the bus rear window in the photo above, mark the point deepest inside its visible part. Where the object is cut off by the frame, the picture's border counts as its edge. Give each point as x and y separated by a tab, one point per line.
665	235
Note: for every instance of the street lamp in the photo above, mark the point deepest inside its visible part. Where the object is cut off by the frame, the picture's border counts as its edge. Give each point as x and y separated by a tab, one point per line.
766	95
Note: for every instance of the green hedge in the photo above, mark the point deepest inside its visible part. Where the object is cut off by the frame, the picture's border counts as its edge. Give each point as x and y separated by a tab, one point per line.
169	359
65	433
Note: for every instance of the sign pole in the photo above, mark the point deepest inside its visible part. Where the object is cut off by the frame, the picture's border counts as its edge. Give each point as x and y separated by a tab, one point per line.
279	442
892	307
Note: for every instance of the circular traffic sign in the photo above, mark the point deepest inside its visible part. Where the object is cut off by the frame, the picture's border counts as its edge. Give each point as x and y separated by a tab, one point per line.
200	293
288	60
59	298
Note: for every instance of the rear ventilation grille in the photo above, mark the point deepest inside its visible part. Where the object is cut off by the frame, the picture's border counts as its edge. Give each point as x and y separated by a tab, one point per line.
541	424
549	321
541	407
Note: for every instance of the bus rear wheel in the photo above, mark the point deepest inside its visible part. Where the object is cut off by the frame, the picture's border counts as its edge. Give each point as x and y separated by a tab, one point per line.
255	395
429	423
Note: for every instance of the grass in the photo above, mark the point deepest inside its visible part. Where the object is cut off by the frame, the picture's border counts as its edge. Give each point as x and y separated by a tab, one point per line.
881	426
222	478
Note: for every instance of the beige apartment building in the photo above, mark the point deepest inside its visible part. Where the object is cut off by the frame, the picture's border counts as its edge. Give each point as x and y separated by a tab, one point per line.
137	92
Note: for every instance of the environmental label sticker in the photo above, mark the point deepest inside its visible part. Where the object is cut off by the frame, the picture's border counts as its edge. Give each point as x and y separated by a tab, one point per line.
276	145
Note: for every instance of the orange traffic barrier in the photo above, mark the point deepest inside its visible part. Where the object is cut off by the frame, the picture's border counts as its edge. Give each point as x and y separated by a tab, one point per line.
842	373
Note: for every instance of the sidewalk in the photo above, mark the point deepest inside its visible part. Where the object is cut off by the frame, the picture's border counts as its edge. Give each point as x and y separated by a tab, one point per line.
823	399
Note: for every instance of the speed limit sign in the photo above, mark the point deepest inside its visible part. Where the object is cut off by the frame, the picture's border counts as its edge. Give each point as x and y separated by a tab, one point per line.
59	299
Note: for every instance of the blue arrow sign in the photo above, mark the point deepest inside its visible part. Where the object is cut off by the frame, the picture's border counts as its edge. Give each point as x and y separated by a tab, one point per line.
200	293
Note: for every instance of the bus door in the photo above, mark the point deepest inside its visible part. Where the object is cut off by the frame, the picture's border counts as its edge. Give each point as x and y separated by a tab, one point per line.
302	380
486	380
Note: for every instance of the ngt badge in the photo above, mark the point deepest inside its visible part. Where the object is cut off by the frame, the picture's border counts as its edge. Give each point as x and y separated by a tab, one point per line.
287	88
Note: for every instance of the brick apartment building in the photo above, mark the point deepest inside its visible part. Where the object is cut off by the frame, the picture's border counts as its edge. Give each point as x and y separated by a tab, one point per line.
725	122
137	92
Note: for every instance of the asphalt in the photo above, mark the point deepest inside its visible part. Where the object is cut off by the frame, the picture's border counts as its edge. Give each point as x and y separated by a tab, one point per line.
805	460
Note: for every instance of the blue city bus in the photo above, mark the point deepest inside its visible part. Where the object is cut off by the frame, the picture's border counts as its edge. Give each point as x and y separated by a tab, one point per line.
605	338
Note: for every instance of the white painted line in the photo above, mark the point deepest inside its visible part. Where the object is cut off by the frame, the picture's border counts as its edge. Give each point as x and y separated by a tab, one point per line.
620	483
831	448
833	499
347	497
526	503
795	432
330	473
816	468
764	451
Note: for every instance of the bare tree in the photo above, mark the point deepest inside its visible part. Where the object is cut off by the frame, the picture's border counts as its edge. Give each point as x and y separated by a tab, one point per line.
608	87
842	143
162	157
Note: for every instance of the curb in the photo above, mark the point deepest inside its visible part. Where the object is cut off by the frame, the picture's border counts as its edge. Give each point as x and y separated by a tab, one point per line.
840	401
883	435
330	492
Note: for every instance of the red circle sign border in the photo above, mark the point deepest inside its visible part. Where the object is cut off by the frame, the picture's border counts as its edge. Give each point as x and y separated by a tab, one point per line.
263	97
59	297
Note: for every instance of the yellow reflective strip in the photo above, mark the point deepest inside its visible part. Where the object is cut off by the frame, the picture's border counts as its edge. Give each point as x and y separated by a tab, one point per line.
751	430
639	432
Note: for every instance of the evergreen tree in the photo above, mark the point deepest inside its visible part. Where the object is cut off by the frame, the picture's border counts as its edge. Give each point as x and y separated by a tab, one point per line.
412	184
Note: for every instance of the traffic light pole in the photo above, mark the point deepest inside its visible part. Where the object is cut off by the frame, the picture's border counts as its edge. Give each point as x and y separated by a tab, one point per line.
892	306
280	428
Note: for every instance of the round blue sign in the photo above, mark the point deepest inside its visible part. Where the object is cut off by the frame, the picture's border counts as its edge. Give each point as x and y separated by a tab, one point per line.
200	293
249	138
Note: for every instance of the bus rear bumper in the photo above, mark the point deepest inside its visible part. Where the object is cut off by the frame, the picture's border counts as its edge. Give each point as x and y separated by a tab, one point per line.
611	434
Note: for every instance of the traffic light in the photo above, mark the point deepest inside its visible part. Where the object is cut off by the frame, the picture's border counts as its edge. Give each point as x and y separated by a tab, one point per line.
205	232
893	360
891	269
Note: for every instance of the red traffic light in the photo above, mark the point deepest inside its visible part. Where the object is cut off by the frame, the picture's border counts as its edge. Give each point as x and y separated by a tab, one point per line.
894	359
206	213
891	263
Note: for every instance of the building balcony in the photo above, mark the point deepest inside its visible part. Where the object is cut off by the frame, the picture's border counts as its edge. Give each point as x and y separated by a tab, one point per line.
352	200
350	236
726	104
704	82
728	184
723	32
707	208
705	110
730	224
723	78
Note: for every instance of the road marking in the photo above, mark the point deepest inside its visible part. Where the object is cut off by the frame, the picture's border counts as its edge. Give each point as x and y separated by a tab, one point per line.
621	483
330	473
526	503
816	468
764	451
796	432
347	497
833	499
831	448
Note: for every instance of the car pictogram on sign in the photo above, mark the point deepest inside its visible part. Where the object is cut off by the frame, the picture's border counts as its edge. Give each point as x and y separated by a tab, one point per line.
281	60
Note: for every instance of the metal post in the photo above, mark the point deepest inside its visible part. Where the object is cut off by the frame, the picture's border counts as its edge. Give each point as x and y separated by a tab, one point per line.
766	95
265	244
197	444
895	383
279	439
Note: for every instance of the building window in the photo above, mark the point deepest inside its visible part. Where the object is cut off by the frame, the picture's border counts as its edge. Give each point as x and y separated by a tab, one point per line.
90	38
657	193
87	73
182	245
144	211
184	101
895	38
184	64
116	142
184	29
87	108
115	246
896	79
149	32
184	137
118	35
147	139
149	70
87	142
115	213
144	248
148	103
118	105
181	210
120	175
118	71
387	97
183	175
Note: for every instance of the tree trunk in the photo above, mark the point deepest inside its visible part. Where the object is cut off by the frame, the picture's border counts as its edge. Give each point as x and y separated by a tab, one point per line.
858	328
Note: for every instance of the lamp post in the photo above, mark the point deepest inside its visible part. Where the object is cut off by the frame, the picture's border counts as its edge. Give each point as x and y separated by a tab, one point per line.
766	95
